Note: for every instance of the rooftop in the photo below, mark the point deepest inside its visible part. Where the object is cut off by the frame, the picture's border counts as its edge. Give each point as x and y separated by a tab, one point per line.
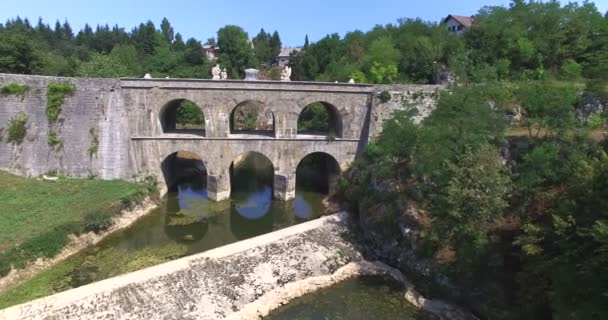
464	20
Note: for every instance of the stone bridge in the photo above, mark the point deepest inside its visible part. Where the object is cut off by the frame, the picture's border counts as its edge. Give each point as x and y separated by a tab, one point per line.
122	128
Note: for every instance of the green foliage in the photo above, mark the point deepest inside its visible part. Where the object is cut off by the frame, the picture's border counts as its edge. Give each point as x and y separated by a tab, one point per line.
189	114
17	128
53	139
56	94
383	73
237	53
14	88
570	70
385	96
60	208
246	117
314	118
596	121
266	47
549	107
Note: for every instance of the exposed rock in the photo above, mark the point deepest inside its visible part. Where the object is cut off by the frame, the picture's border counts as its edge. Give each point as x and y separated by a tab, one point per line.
588	106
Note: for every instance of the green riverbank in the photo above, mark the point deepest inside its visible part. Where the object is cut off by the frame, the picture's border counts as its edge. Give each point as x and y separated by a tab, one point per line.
37	216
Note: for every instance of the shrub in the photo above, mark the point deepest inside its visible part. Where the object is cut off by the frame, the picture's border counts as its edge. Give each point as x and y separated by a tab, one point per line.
55	96
14	88
596	121
53	139
17	129
570	70
97	222
385	96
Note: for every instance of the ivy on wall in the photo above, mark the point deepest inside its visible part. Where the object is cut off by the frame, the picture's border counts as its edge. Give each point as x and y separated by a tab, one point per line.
14	88
56	93
55	97
17	128
94	143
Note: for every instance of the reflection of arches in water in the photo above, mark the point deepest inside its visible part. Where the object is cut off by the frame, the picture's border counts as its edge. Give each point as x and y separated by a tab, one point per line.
317	172
183	166
249	172
308	205
244	228
183	223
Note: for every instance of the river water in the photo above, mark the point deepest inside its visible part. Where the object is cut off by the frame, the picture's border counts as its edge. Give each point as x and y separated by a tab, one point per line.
185	223
363	298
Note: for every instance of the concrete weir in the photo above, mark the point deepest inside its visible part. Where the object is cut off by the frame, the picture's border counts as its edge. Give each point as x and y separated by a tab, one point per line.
210	285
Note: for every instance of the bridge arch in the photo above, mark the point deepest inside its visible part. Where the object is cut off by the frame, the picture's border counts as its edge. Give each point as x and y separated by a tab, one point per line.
320	118
182	116
252	117
180	166
318	171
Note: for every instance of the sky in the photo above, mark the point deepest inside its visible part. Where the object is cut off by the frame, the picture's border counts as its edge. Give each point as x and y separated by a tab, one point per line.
202	18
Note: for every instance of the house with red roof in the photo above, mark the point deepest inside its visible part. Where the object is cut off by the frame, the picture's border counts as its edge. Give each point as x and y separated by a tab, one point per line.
458	24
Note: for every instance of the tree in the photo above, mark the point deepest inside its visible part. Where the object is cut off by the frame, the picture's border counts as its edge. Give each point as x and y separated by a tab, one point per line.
178	43
102	66
17	53
261	47
236	54
275	44
306	43
144	37
167	31
194	52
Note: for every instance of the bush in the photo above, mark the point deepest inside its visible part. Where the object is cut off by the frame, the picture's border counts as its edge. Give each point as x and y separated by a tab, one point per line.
385	96
570	70
596	121
55	97
17	129
14	88
97	222
53	139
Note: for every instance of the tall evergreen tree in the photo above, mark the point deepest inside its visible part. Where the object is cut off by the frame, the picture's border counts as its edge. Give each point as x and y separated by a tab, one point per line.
167	31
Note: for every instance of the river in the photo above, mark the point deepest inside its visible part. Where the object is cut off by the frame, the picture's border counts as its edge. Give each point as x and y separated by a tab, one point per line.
186	222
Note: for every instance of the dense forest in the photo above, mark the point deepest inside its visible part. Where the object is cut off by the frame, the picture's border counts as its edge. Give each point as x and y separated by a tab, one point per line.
527	40
509	175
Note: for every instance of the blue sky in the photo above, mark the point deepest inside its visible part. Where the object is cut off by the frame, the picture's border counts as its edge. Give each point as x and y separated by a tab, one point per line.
201	19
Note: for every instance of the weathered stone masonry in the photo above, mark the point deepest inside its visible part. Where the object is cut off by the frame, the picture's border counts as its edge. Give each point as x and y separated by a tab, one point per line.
126	116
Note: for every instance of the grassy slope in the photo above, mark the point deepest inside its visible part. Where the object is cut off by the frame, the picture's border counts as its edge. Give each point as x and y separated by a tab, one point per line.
29	207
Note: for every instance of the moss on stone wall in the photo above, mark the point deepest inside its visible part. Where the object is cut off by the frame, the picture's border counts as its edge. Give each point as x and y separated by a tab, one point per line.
14	88
55	97
17	128
56	94
94	143
54	140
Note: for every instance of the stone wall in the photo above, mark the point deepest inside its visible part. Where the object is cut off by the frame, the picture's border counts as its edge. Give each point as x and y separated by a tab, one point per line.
94	106
421	97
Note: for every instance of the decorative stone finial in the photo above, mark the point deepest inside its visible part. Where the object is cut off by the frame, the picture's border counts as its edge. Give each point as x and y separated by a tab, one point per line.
286	74
215	72
224	74
351	81
147	76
